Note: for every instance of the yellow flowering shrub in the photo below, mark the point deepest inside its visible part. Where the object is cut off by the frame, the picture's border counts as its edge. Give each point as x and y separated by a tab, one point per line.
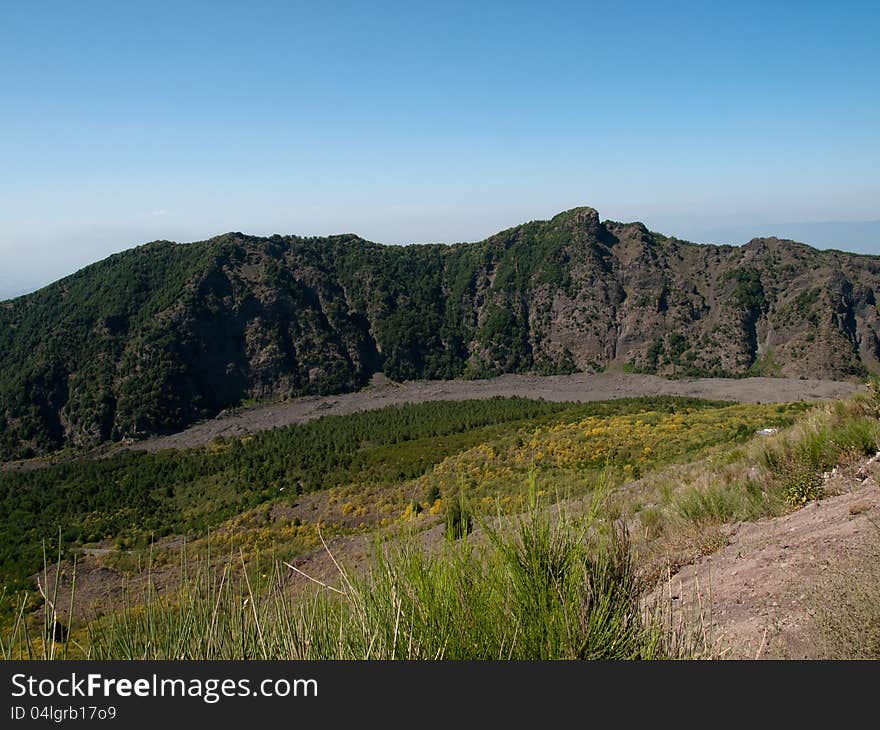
629	444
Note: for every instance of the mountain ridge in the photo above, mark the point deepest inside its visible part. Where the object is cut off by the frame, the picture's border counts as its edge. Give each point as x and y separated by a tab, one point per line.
149	340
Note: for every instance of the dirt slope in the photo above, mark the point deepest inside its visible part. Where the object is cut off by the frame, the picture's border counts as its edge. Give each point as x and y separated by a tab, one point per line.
758	593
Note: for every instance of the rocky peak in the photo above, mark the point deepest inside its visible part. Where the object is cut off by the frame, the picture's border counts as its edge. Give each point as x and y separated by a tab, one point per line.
582	218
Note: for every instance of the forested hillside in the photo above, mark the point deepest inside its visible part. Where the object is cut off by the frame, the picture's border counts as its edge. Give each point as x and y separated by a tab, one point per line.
152	339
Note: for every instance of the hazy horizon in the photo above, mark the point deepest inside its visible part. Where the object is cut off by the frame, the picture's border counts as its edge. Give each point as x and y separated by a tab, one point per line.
861	237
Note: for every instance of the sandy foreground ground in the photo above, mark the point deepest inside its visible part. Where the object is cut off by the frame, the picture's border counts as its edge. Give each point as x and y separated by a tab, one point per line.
757	596
579	387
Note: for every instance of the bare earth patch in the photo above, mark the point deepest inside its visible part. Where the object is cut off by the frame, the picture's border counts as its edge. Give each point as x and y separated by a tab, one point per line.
757	594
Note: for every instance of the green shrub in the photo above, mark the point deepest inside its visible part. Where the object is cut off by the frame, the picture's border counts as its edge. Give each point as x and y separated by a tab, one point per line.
801	486
432	494
712	503
459	521
858	435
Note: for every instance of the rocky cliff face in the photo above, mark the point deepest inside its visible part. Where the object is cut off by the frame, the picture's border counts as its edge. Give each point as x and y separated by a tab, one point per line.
152	339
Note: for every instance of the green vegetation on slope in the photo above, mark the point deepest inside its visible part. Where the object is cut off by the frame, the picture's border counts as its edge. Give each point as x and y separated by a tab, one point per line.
532	589
136	493
155	338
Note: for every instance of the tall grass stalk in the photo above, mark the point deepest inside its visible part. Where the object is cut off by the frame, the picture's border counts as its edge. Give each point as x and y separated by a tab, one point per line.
538	587
50	638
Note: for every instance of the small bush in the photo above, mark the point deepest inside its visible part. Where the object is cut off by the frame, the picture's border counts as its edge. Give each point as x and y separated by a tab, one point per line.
652	522
859	435
712	503
432	494
801	486
459	521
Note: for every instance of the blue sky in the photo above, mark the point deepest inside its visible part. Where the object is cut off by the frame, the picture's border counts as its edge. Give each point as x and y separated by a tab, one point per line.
123	122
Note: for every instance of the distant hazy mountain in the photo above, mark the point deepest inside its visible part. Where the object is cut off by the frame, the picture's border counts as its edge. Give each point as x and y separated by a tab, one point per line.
151	339
854	236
